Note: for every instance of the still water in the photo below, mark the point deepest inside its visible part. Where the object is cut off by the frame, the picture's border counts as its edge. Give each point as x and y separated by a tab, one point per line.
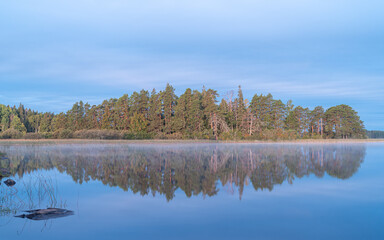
194	191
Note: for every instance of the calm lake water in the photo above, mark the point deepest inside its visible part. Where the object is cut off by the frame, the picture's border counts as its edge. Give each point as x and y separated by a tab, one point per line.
194	191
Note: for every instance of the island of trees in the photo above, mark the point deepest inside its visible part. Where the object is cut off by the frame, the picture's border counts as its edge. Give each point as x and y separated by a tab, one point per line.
193	115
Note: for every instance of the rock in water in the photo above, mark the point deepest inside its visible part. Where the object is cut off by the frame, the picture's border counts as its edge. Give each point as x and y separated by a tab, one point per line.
45	214
9	182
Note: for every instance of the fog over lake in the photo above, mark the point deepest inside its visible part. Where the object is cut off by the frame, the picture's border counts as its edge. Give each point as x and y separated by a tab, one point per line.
192	190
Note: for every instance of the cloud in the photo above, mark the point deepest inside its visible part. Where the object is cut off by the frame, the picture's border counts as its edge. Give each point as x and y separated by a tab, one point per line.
112	69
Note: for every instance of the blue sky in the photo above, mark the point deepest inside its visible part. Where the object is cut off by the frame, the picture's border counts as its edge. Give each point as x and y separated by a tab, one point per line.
325	52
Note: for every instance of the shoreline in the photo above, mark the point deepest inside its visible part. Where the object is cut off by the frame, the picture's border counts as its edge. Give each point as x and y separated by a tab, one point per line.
171	141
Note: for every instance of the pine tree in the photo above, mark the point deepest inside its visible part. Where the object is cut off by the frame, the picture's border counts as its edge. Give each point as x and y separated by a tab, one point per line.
299	120
179	121
138	123
45	124
212	118
195	112
169	102
343	122
59	121
155	112
34	120
122	113
278	114
224	110
316	119
5	118
240	110
262	107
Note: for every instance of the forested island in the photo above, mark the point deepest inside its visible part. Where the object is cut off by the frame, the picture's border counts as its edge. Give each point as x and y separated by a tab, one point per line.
192	115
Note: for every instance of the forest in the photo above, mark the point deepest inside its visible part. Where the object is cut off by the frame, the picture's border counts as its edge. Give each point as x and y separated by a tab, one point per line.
192	115
375	134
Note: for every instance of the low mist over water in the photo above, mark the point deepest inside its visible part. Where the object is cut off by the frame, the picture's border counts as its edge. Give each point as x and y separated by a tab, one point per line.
192	191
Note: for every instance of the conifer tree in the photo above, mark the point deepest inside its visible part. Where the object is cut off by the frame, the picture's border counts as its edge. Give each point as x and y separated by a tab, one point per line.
155	112
278	114
34	120
240	112
138	123
224	110
59	121
316	119
5	118
298	120
196	113
179	121
262	107
343	122
209	99
169	102
122	113
45	124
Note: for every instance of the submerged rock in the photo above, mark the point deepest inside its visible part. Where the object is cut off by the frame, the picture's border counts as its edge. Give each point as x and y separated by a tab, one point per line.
45	214
9	182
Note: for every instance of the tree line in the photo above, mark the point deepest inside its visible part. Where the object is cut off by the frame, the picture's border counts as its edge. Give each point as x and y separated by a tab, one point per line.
375	134
192	115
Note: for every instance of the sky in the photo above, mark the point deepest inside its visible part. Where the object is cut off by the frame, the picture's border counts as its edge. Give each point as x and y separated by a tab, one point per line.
314	52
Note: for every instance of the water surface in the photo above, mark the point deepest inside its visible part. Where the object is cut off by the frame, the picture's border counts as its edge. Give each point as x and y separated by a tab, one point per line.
194	191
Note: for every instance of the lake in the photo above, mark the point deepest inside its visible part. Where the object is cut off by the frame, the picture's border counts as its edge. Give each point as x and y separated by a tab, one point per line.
193	190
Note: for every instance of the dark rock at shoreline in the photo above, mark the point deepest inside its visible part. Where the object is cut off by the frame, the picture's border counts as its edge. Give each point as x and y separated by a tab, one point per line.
45	214
9	182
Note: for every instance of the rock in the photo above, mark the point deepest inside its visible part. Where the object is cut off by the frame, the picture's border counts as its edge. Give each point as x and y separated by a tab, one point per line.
45	214
9	182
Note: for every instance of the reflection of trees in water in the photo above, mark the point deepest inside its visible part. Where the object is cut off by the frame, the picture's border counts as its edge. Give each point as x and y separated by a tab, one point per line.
195	169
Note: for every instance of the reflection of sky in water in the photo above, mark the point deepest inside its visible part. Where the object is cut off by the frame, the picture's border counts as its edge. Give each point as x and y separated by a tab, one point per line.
310	208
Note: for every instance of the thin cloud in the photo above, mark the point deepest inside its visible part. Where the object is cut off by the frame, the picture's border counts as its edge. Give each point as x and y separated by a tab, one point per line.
123	71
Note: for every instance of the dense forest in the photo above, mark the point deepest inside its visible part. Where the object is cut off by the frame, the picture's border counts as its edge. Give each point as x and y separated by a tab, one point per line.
193	115
375	134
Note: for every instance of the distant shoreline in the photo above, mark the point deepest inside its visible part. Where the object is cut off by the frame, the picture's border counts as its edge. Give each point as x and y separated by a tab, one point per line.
166	141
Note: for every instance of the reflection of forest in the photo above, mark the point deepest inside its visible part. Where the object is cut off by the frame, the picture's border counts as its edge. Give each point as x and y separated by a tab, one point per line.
195	169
